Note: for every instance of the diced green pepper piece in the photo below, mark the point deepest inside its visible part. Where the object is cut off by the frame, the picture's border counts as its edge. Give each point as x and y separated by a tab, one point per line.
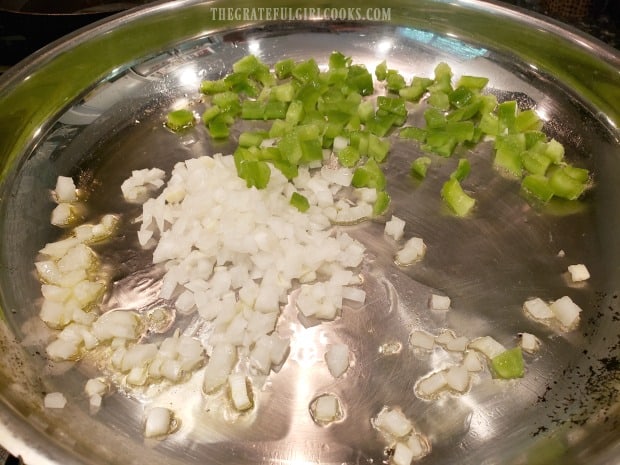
472	82
462	170
210	113
466	112
338	60
538	186
360	80
369	175
489	124
359	140
509	364
378	148
279	128
218	129
275	110
439	100
508	149
418	87
247	65
535	162
506	115
226	100
565	185
214	87
443	147
311	150
394	81
381	71
289	148
527	120
242	84
284	92
555	151
365	110
381	123
300	202
255	173
288	169
295	112
381	203
252	139
461	96
411	132
535	140
252	109
284	68
456	198
443	79
434	118
306	71
348	156
393	105
180	119
419	167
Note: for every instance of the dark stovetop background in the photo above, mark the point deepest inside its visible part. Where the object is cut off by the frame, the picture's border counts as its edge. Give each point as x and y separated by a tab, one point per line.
22	33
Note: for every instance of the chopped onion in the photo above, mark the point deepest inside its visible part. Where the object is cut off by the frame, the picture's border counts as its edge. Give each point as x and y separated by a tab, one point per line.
65	190
472	362
422	340
393	422
439	302
222	361
326	408
457	378
538	309
240	392
403	455
431	385
95	386
487	346
578	273
395	227
566	311
413	250
529	342
158	422
337	358
54	400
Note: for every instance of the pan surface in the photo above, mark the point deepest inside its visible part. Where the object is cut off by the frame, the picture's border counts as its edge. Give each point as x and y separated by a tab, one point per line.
91	107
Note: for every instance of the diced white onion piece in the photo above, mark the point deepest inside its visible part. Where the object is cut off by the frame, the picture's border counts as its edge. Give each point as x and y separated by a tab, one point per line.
59	248
403	455
87	292
158	422
222	361
458	344
138	355
457	378
55	400
95	386
418	446
62	214
529	342
354	294
260	356
48	271
55	293
395	227
337	358
566	311
94	401
393	422
326	408
56	314
137	376
422	340
62	350
538	309
472	362
445	336
279	349
118	323
487	346
578	273
239	392
65	190
413	250
432	384
340	142
439	302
